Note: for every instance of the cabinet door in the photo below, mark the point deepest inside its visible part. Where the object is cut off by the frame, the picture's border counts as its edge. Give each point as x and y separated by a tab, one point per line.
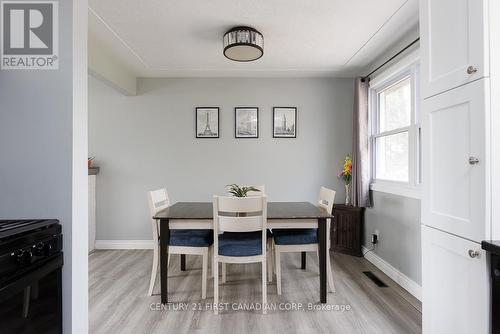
453	38
346	233
455	173
455	285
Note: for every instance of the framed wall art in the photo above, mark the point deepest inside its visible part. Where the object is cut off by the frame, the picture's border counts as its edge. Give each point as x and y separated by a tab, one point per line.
207	122
284	122
246	122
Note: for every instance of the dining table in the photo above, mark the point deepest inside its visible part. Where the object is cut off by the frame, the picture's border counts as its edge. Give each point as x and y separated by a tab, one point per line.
282	215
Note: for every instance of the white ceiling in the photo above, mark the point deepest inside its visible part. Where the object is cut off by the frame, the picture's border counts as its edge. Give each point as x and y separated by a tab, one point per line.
166	38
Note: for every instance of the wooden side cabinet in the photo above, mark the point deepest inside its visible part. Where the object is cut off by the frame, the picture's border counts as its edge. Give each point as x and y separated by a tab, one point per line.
346	229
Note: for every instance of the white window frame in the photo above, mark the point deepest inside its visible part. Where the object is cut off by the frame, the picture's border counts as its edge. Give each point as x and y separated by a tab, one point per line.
407	66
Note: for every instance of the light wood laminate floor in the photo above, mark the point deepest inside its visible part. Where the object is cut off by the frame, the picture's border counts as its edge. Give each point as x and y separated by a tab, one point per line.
119	280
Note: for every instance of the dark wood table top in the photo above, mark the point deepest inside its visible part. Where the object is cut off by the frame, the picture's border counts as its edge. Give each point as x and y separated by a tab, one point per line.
275	210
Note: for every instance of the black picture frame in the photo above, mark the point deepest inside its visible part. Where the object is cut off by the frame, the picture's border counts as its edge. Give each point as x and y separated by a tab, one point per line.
237	133
209	133
286	132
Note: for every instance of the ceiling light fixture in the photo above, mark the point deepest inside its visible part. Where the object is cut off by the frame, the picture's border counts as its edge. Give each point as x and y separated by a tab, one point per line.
243	44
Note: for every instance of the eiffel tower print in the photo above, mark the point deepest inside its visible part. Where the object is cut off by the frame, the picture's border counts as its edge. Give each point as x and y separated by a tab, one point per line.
206	125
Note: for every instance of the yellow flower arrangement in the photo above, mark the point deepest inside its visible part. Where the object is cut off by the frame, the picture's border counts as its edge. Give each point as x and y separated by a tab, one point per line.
346	172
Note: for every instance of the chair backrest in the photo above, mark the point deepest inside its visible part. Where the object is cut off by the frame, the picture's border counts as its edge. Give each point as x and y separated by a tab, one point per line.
326	199
158	200
240	214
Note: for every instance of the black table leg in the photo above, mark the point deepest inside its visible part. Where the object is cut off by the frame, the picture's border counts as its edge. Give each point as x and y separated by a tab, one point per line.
183	262
164	239
322	258
303	260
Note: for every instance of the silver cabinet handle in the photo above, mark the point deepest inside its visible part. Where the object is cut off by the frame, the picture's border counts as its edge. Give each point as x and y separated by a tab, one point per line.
473	160
471	70
473	253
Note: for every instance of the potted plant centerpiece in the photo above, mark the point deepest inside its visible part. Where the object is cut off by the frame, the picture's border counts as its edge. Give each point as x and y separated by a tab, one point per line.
240	192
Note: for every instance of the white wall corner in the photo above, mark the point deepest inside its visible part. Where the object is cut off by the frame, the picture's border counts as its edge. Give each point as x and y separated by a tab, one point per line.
495	119
106	68
404	281
77	321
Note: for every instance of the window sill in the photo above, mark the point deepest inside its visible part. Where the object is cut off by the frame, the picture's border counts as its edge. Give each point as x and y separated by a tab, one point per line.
397	189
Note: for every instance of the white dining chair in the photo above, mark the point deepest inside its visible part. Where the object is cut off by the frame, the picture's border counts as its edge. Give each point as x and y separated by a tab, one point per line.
304	240
240	235
191	242
270	259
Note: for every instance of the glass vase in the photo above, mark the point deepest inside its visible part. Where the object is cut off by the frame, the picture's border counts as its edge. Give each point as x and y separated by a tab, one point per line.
347	194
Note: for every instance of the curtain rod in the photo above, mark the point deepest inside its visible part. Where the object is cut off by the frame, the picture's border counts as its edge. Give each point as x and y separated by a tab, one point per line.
385	63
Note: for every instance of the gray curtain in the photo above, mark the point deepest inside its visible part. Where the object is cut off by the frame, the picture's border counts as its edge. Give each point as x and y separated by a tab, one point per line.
361	147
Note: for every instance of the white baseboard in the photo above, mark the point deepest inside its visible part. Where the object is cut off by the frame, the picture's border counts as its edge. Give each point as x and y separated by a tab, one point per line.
124	244
404	281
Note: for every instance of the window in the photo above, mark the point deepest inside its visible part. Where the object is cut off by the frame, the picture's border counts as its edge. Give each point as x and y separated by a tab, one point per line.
395	138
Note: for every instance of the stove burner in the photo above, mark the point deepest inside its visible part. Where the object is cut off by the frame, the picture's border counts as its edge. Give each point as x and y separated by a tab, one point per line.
9	224
10	227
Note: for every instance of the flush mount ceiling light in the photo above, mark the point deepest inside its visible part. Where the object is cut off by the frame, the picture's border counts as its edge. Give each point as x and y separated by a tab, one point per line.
243	44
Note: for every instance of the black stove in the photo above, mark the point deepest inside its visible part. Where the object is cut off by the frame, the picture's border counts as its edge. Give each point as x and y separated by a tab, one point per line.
31	259
9	227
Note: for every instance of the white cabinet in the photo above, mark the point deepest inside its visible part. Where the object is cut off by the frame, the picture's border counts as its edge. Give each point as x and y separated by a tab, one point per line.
456	163
454	284
454	43
455	133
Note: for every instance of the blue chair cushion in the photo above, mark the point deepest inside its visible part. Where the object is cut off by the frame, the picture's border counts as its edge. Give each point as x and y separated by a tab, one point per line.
240	243
191	238
295	236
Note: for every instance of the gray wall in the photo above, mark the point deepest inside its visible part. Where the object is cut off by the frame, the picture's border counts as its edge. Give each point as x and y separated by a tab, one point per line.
147	141
397	219
36	145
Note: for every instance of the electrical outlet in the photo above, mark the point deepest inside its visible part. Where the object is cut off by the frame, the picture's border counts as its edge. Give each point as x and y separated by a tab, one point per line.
375	237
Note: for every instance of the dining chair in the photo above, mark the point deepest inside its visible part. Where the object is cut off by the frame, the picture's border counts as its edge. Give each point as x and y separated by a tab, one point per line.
304	240
270	259
240	234
191	242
